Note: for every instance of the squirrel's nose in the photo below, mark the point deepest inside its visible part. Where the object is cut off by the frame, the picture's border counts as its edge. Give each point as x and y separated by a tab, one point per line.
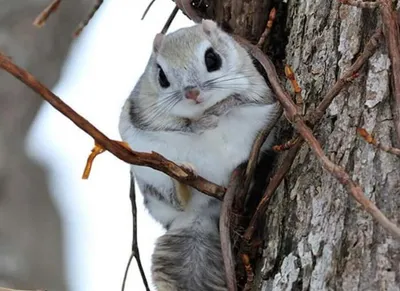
192	93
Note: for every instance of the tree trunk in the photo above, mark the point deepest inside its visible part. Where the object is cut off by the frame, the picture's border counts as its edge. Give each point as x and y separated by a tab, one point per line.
316	236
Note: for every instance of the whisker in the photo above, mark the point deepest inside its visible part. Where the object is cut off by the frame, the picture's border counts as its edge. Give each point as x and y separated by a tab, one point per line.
249	92
220	78
226	78
160	107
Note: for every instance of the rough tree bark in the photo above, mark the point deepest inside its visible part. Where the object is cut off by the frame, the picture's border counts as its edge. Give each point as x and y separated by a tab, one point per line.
316	237
31	240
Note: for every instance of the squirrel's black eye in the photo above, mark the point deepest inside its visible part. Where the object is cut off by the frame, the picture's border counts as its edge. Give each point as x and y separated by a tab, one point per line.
213	60
162	79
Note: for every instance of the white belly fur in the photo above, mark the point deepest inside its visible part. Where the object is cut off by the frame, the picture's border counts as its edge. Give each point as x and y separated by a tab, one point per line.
214	154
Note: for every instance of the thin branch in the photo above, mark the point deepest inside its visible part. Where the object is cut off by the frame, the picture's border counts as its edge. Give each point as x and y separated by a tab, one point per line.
262	136
41	19
270	22
255	151
169	20
269	68
147	9
249	272
296	88
360	3
141	270
346	78
132	198
97	150
344	178
294	117
152	160
186	7
314	117
135	245
371	140
287	145
272	186
225	227
128	265
85	22
392	35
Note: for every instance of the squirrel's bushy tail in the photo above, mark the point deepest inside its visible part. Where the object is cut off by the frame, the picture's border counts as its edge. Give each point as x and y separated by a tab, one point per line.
188	259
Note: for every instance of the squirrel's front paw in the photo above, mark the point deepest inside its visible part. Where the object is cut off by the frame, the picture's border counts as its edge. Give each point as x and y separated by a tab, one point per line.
206	122
209	121
183	192
188	167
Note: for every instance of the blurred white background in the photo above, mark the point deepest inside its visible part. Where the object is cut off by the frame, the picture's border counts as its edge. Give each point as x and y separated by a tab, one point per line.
103	66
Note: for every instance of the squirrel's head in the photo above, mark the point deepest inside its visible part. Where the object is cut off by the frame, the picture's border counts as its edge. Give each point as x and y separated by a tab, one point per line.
193	68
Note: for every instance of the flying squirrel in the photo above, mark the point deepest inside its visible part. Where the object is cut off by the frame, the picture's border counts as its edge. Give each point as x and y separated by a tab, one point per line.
200	103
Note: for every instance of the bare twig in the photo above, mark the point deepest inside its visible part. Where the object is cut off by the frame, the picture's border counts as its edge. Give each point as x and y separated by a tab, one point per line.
360	3
314	117
255	151
136	254
269	68
169	20
85	22
392	36
147	9
272	186
287	145
340	174
296	88
188	10
270	22
128	265
294	117
371	140
97	149
134	249
40	20
135	246
346	78
225	227
249	272
262	136
153	160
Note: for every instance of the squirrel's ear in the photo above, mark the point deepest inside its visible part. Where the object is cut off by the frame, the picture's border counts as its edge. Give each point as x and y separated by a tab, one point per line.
157	42
209	26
